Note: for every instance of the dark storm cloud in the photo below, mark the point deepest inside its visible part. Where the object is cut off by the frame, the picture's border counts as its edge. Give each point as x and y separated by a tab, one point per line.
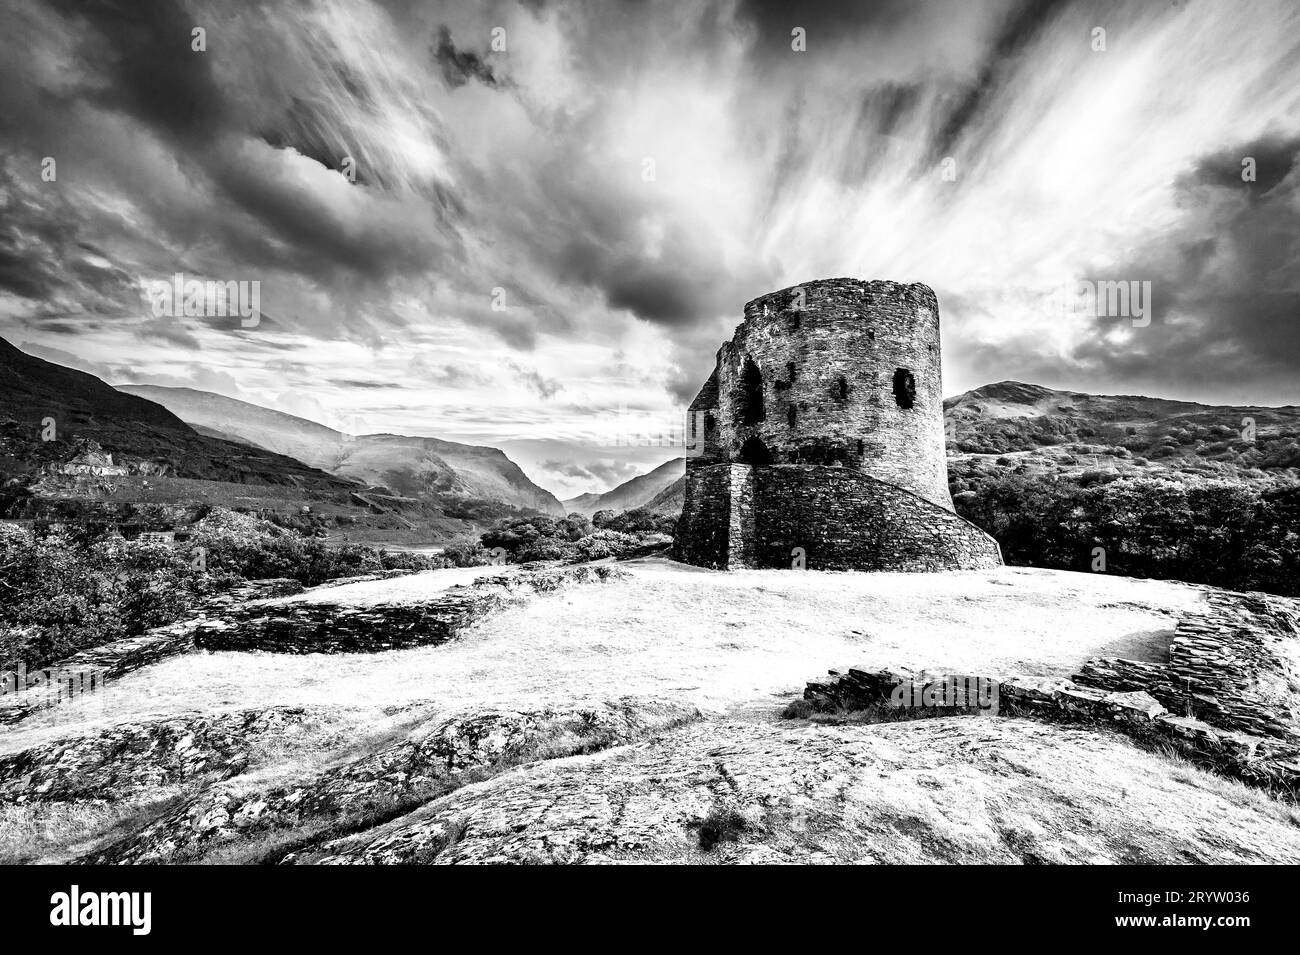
459	66
43	257
1275	157
266	207
138	59
823	20
965	104
1225	296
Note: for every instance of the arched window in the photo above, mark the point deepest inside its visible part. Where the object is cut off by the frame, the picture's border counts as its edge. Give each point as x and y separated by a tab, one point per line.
904	388
750	404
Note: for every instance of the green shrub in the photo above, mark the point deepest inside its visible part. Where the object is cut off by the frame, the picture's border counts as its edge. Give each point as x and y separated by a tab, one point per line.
467	552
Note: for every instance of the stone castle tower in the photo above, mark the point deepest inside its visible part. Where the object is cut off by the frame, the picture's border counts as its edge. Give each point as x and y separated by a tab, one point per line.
821	428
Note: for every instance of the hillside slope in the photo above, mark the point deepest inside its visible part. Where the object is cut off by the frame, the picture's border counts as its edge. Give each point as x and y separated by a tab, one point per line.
670	500
136	430
1011	416
429	469
635	492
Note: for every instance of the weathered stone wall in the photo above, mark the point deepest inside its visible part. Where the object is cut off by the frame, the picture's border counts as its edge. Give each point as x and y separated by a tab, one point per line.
740	516
827	354
846	520
704	530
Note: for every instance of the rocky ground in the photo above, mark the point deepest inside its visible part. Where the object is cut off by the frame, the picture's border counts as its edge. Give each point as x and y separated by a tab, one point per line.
635	717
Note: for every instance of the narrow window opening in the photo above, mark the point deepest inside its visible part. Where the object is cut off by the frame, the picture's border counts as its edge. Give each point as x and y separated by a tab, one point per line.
751	394
904	388
791	416
842	388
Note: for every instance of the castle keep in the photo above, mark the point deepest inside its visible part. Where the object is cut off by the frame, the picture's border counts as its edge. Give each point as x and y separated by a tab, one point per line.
821	428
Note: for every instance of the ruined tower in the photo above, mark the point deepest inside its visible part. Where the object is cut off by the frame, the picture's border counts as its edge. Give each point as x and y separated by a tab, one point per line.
821	428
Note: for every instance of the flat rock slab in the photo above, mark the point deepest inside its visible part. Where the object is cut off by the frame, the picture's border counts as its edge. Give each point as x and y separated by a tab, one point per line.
137	758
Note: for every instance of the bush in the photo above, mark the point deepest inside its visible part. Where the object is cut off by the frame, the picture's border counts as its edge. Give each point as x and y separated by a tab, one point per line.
78	588
467	552
60	593
548	548
722	824
1223	533
607	543
636	521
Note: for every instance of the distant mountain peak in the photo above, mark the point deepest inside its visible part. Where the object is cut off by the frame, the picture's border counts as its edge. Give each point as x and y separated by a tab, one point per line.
632	493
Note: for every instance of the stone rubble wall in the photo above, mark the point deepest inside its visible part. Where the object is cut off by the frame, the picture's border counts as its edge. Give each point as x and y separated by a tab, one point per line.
1235	663
1239	655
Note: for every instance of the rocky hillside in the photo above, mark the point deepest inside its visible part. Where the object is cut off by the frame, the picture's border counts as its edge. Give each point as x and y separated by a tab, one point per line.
1010	417
636	492
670	500
464	479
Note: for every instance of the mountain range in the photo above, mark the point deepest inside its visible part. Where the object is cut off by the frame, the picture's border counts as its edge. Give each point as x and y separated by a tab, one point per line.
178	443
444	472
49	404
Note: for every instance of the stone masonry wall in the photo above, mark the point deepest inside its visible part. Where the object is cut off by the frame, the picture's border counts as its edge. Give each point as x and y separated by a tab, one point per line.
845	520
740	516
707	533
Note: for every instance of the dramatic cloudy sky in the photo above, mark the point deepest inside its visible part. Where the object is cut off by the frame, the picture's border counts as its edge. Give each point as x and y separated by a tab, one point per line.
524	170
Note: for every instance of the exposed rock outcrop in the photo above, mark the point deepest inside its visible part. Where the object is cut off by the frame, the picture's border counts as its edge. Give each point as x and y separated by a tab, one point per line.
429	762
320	627
132	758
944	790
